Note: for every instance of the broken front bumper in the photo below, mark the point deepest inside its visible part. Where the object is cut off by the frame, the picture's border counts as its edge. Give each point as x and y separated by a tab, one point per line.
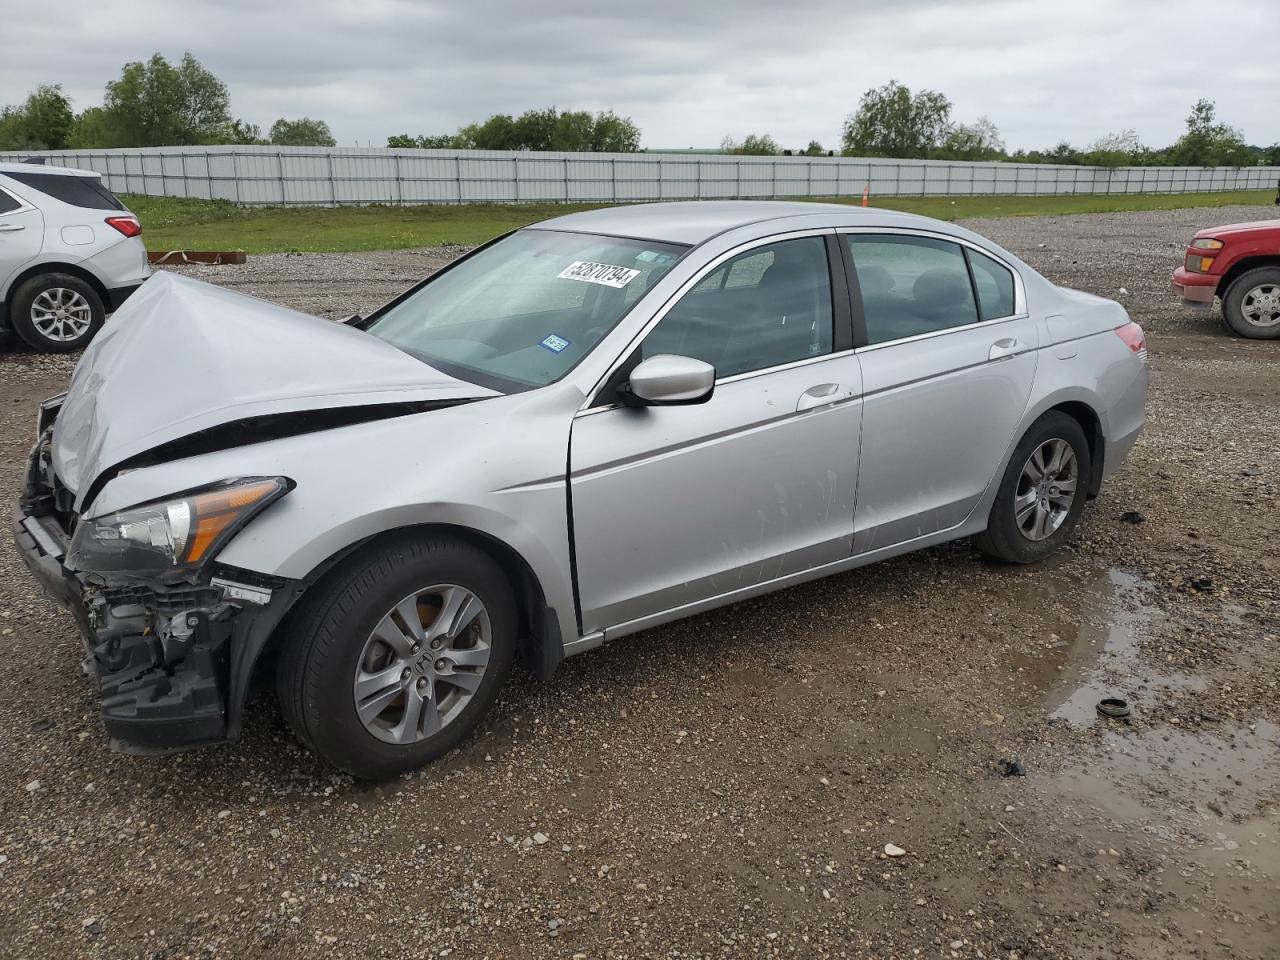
172	661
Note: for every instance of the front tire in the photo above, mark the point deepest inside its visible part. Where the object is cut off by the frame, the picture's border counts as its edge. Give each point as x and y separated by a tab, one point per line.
1042	493
57	312
1251	306
395	657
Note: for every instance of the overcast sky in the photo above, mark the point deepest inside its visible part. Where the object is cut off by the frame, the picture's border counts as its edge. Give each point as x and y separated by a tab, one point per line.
689	72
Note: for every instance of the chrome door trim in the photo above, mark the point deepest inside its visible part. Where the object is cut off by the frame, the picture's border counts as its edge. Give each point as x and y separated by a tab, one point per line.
688	285
946	330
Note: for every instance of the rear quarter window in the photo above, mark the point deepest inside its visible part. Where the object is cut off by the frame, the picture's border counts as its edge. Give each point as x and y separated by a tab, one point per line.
7	203
87	192
994	284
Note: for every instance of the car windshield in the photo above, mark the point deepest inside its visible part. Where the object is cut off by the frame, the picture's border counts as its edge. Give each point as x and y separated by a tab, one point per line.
521	313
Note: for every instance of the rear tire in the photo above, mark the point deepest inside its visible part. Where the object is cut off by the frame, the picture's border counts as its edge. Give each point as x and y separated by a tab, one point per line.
1033	516
1251	306
56	312
335	671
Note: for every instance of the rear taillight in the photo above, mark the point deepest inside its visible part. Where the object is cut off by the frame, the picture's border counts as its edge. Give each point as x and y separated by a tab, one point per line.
129	226
1132	336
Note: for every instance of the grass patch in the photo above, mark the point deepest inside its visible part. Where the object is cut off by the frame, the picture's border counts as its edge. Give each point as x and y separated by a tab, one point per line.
173	224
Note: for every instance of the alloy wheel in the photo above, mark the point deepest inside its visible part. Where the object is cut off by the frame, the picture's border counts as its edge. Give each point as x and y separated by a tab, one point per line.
61	314
1046	489
1261	305
422	664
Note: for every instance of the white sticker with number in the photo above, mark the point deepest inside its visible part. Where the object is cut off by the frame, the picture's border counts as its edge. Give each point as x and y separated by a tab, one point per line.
605	274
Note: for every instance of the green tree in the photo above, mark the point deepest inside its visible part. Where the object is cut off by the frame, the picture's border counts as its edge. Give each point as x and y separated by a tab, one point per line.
303	132
1114	149
546	129
572	131
614	134
428	142
159	104
752	145
42	122
1208	143
814	149
892	122
971	141
243	132
533	130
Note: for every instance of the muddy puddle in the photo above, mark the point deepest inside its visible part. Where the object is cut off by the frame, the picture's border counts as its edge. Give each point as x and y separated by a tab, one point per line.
1090	647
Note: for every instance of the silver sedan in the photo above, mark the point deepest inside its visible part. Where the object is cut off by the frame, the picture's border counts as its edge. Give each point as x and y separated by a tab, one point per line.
586	428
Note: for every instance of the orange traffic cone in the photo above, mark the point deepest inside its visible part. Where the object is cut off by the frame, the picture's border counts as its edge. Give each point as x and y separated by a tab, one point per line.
866	192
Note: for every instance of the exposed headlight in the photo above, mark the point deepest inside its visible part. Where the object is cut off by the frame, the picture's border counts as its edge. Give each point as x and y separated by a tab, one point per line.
1205	243
172	535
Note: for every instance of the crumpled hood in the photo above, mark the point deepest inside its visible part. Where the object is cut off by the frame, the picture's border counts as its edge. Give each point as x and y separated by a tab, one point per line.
182	356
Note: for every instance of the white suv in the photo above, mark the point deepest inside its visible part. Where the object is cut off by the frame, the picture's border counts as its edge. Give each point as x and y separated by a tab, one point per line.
70	253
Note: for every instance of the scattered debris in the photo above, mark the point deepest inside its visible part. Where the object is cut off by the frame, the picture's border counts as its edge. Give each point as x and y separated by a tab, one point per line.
41	725
1132	516
1200	584
1253	470
893	850
1012	768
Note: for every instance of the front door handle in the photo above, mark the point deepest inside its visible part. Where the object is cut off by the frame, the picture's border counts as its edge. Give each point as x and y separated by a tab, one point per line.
1004	348
819	396
12	227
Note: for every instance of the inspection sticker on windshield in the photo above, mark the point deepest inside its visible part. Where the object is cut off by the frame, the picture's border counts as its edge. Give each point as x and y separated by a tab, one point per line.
554	343
605	274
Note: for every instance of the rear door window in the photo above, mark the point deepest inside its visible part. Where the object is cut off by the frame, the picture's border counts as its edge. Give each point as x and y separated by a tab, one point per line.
87	192
911	285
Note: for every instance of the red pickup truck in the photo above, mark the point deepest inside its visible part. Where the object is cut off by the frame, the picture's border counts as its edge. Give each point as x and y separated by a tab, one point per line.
1241	264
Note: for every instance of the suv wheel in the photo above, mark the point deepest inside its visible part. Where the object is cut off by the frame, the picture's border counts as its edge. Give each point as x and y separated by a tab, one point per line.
56	312
1251	306
1042	493
395	657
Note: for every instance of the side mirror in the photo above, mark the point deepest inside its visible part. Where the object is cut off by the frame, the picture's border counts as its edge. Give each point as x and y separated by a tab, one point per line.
666	380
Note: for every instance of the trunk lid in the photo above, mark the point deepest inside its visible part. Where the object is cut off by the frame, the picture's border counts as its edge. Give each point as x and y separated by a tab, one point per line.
184	356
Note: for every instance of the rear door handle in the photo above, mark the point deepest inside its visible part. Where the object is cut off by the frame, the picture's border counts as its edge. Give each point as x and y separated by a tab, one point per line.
819	396
12	227
1004	348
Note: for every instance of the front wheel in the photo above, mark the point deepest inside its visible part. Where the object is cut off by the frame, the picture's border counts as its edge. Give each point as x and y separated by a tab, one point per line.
1251	305
1042	493
394	658
57	313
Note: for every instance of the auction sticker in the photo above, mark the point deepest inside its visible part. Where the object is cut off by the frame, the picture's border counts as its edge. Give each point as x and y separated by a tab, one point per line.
605	274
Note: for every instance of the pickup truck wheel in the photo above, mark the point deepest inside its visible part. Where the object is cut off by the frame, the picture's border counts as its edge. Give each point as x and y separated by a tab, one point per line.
56	312
395	657
1042	493
1252	304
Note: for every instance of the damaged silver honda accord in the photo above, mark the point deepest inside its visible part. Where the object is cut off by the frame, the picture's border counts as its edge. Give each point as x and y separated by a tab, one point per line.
588	427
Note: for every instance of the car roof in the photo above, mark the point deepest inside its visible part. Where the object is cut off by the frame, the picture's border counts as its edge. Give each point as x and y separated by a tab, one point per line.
694	221
11	166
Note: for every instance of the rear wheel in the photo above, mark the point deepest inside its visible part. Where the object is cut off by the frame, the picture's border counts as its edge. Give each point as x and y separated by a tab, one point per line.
393	659
1251	306
57	312
1042	493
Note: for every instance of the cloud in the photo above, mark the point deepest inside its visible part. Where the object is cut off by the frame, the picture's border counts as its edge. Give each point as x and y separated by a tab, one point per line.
687	72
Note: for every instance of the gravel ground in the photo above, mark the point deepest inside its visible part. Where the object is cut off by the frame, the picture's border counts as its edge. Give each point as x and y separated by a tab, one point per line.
728	786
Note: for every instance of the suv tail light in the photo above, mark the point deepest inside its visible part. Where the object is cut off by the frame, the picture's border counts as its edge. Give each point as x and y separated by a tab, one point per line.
1133	337
129	226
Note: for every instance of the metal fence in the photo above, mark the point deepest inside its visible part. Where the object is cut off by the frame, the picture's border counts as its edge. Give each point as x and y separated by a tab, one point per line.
326	176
